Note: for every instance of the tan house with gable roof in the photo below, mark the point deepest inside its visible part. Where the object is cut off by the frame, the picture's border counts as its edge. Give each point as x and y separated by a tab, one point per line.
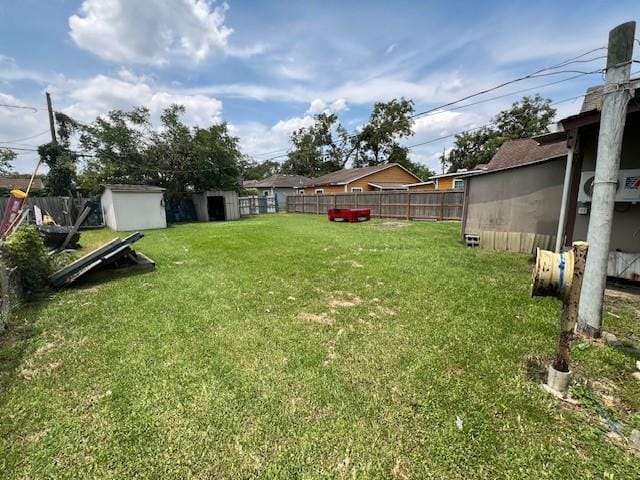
391	176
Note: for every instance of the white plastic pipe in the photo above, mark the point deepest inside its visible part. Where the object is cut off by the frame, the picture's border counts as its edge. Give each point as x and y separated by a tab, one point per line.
565	199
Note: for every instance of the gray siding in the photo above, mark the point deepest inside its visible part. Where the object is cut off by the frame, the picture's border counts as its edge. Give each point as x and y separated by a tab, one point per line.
525	199
625	235
231	204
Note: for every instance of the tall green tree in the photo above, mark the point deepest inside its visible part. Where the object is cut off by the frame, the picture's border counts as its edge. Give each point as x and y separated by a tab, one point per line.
256	170
320	148
7	157
526	118
124	147
379	140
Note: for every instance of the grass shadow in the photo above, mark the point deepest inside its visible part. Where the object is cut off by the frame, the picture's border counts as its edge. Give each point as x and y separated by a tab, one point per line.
15	340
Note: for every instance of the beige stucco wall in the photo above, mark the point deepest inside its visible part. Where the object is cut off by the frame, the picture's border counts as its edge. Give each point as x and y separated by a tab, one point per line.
525	199
625	235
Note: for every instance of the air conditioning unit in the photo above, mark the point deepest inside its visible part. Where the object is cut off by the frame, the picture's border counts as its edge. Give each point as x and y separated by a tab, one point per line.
628	189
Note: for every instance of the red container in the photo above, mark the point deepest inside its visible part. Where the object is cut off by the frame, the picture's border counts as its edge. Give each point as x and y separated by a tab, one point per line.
349	214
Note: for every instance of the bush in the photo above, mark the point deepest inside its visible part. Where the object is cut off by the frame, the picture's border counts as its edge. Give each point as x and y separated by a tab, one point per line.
25	250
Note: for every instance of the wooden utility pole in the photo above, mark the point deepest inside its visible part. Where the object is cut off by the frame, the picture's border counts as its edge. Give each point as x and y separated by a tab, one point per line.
570	310
615	96
52	125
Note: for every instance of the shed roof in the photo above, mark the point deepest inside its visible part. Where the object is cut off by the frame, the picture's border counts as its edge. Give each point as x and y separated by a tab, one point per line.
389	185
282	181
348	175
121	187
524	151
20	183
593	98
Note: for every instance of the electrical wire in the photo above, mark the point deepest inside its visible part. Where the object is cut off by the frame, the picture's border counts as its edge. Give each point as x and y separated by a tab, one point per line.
17	140
35	109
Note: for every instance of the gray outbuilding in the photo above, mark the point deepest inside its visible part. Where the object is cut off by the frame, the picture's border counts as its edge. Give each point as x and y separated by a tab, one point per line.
280	187
216	205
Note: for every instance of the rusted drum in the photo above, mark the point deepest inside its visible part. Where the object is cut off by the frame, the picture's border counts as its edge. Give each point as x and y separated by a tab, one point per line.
552	274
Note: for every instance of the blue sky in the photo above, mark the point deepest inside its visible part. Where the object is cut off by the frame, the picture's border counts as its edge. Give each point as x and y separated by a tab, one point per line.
267	67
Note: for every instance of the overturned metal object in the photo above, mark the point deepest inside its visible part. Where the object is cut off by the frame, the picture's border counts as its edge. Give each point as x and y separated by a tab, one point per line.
117	255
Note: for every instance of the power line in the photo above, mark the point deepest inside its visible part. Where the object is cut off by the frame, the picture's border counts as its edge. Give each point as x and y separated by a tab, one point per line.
24	107
459	107
17	140
543	72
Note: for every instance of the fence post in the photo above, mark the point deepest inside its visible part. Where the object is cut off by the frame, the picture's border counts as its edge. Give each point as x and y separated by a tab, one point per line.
442	205
335	201
380	204
356	200
317	204
408	204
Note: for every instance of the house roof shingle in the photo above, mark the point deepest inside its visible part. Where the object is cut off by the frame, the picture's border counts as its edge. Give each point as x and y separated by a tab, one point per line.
348	175
20	183
514	153
593	98
282	181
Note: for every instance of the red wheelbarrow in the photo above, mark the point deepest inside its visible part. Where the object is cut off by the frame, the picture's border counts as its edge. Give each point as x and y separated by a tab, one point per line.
349	214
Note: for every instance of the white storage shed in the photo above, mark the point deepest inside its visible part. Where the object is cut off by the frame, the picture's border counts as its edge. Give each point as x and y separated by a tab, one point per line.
133	207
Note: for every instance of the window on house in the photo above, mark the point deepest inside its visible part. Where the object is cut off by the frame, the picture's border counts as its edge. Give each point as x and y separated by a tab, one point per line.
458	183
356	189
319	190
265	193
301	191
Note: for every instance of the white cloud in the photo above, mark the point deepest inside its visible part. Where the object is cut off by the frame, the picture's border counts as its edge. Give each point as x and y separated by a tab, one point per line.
153	31
16	125
443	122
320	106
390	49
100	94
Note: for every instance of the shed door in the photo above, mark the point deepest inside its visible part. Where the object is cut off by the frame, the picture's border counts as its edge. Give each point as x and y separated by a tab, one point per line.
215	208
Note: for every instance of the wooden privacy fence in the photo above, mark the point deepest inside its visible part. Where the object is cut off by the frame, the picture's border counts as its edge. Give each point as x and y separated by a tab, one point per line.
64	210
420	205
256	205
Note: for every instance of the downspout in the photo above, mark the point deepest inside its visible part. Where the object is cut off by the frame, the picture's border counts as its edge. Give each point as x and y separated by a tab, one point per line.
562	221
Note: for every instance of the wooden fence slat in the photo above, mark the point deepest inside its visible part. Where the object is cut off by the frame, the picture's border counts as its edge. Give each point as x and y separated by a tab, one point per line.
419	205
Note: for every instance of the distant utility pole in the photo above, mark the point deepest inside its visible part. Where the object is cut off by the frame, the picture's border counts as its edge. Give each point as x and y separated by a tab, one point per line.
615	96
52	125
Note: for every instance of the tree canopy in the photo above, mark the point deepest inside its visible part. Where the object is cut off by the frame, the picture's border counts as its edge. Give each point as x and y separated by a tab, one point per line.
7	157
526	118
124	147
326	146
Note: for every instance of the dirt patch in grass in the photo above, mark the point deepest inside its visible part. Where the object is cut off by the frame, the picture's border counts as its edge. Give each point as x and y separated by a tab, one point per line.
386	311
321	318
391	225
343	299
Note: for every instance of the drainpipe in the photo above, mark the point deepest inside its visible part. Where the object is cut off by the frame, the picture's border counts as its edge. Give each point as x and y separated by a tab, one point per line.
562	221
614	113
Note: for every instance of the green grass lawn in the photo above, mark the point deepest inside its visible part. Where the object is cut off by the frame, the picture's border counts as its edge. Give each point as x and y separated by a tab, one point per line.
286	346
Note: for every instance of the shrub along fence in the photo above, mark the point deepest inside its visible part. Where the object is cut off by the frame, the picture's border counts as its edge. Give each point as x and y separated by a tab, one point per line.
421	205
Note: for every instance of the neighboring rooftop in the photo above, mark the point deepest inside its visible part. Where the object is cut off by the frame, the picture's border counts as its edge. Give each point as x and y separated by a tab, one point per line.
593	98
348	175
20	183
514	153
460	173
281	181
121	187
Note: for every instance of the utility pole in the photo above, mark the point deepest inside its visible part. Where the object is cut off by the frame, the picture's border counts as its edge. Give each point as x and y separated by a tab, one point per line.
52	125
615	96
